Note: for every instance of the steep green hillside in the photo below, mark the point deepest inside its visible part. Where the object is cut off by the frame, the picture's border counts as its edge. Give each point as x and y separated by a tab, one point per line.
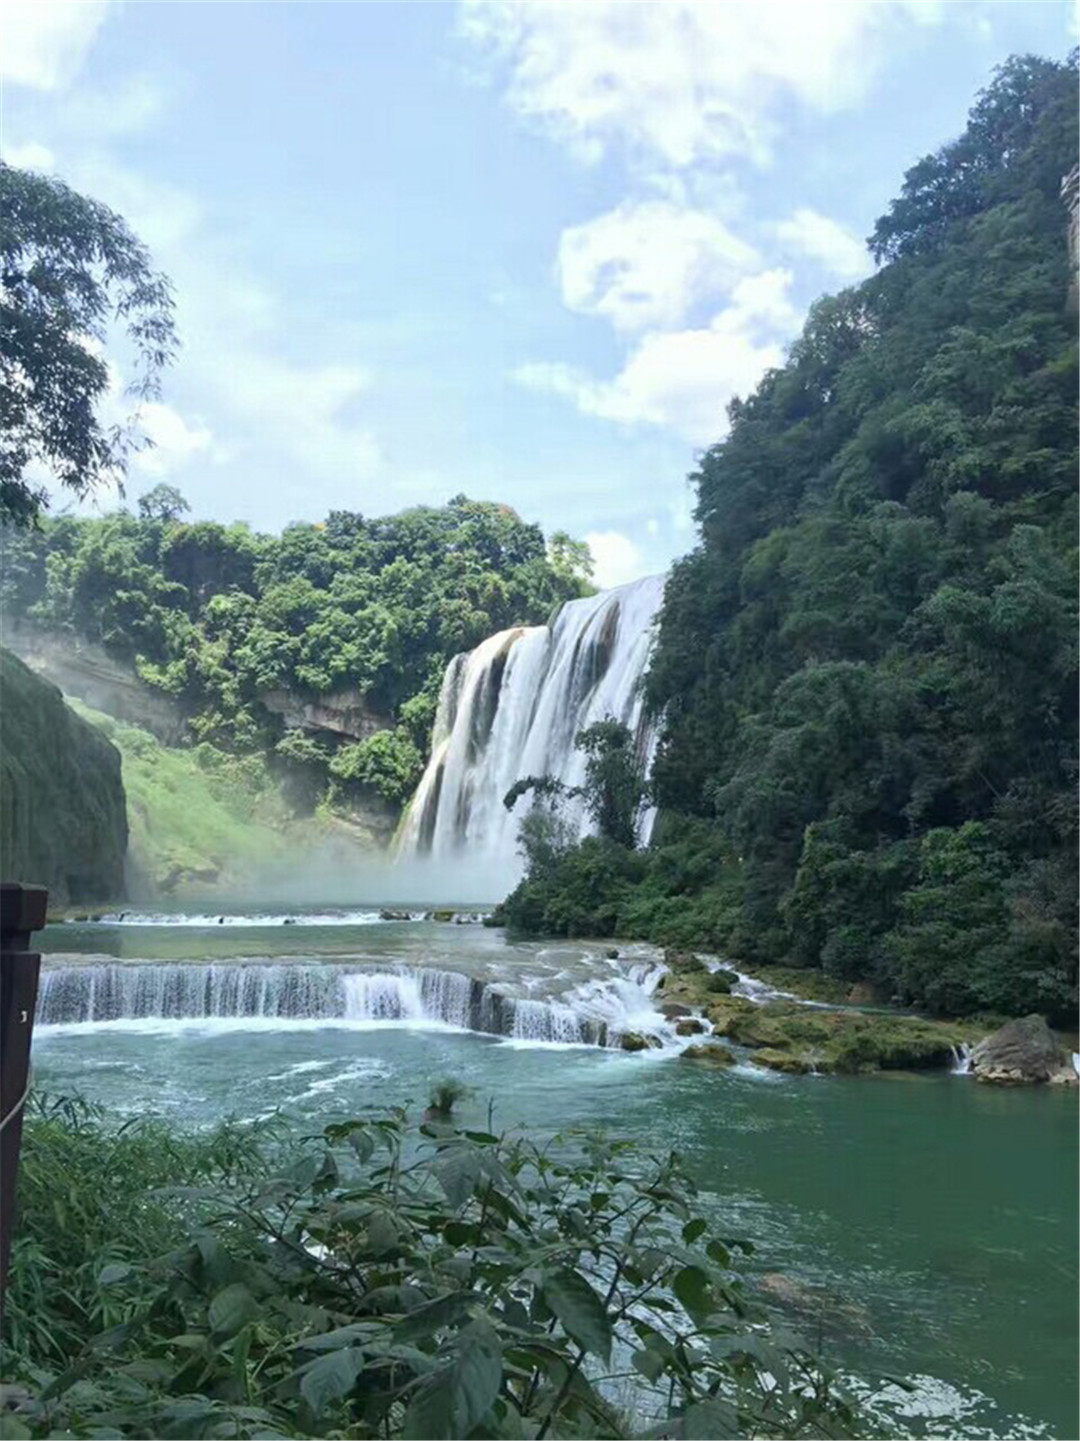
200	819
62	816
867	668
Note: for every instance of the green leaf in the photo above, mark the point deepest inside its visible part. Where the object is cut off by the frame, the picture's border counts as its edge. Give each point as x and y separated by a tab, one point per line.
691	1287
232	1308
709	1419
453	1402
458	1170
436	1315
111	1275
330	1377
693	1229
580	1310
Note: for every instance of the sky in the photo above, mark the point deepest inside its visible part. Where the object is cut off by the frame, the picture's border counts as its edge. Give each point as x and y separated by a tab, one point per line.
528	252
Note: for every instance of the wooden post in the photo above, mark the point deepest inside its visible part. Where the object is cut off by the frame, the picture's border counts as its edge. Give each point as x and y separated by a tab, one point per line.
22	911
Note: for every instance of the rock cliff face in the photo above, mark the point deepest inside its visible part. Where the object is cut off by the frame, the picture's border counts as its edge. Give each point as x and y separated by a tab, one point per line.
84	670
343	713
63	821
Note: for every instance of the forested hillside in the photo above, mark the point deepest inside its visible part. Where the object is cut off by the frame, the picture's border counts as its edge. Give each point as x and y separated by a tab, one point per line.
867	668
321	649
62	815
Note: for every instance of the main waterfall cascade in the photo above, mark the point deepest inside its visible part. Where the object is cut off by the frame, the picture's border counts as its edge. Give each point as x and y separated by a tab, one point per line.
513	707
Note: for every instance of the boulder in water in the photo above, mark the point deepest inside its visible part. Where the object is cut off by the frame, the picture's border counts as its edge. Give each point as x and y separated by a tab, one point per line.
444	916
394	916
711	1054
684	961
691	1026
674	1010
786	1061
635	1041
1023	1052
612	953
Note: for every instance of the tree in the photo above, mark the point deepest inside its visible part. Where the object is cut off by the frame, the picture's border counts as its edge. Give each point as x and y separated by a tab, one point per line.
614	787
69	268
571	559
163	503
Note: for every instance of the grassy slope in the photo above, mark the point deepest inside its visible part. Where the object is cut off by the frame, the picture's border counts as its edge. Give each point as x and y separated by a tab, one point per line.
193	824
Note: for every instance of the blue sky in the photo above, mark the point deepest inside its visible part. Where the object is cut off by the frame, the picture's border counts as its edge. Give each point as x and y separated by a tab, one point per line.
528	252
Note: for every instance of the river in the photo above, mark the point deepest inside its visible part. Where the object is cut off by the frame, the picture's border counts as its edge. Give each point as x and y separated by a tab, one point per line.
923	1226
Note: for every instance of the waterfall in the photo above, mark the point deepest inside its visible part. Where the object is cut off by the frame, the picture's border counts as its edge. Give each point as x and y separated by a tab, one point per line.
596	1013
512	708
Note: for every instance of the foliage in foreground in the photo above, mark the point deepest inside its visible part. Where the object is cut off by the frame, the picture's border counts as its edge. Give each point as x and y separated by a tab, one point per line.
381	1281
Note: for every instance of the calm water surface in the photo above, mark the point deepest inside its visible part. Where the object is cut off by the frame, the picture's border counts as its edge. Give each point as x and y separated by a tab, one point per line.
942	1215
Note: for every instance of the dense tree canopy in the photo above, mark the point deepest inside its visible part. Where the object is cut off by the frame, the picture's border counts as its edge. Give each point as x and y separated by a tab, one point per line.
69	269
220	617
867	668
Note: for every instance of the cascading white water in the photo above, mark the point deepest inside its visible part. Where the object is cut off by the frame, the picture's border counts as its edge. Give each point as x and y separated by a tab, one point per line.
596	1013
513	707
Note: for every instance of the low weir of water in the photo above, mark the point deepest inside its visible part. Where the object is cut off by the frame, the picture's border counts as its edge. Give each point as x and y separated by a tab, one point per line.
595	1014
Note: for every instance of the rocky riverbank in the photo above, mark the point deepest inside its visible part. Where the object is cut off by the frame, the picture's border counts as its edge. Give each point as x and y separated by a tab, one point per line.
819	1031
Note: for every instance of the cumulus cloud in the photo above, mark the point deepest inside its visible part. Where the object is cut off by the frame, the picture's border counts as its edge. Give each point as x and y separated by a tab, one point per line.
43	43
30	156
683	81
826	241
173	441
645	265
684	379
617	559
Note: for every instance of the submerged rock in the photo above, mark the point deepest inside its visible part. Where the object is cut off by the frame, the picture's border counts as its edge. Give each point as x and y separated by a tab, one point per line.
1023	1052
786	1061
711	1054
684	961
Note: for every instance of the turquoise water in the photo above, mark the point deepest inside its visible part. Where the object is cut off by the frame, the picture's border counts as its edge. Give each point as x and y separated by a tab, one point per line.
938	1217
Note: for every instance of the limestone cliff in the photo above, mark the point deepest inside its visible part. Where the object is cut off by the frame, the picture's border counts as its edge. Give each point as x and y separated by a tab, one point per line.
63	821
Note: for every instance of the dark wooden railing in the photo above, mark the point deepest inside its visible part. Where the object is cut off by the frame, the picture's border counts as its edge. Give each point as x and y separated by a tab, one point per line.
22	912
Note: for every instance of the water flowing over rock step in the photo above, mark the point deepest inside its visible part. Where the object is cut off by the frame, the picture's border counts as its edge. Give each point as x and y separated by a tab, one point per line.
513	708
103	993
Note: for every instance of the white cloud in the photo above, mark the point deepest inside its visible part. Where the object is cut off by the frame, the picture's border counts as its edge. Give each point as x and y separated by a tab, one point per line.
173	441
683	380
644	265
43	43
683	81
617	559
304	414
30	156
825	240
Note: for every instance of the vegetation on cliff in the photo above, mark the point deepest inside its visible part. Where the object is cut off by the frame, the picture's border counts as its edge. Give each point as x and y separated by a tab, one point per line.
867	668
385	1281
62	816
220	617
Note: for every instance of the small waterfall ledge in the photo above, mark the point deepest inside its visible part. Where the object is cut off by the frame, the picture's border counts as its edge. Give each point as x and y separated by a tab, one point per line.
595	1013
512	708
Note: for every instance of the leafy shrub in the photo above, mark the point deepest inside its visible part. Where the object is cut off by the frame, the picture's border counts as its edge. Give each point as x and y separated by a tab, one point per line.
383	1282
